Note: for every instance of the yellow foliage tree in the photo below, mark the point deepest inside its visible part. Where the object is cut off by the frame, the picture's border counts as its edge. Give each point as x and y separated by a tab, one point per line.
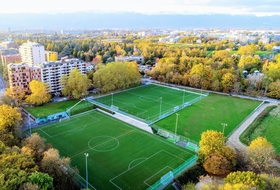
8	117
261	154
16	93
75	85
39	93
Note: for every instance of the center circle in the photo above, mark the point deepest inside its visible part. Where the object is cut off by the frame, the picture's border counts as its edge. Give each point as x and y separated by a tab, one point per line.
149	98
103	143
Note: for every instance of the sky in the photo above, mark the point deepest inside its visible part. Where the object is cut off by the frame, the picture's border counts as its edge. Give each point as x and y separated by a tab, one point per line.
255	7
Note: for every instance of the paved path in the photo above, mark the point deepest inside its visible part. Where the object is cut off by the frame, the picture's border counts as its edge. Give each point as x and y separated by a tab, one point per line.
234	141
2	86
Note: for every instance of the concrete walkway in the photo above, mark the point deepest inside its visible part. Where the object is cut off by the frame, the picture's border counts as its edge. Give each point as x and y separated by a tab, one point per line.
234	141
130	121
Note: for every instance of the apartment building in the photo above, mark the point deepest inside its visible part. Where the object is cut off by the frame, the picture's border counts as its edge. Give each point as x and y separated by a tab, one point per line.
52	72
51	56
13	58
8	45
20	75
32	53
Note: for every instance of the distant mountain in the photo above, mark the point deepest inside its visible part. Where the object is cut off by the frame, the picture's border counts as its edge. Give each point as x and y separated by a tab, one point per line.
92	20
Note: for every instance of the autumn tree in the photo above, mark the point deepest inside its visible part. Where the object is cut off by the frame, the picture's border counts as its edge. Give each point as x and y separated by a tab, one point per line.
57	168
116	75
247	178
9	121
260	155
274	89
16	93
75	85
216	157
39	93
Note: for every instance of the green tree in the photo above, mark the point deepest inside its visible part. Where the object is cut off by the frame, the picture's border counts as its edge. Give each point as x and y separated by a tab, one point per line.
75	85
44	181
39	93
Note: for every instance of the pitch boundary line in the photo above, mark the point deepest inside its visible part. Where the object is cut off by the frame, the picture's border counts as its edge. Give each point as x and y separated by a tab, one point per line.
156	174
111	180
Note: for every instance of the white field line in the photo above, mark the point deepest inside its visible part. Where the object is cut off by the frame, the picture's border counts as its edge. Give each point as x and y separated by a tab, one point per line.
156	174
111	180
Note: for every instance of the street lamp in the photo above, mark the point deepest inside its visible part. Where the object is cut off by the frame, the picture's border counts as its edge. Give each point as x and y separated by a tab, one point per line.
176	127
160	99
224	125
86	154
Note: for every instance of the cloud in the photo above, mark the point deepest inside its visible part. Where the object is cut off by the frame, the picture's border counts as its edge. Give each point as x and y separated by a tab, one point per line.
261	7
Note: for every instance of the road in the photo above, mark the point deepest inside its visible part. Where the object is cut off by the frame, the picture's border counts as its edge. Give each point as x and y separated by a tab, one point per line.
2	86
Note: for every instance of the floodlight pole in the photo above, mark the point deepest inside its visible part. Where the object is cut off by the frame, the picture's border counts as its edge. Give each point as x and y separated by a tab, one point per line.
160	106
224	125
112	99
86	154
201	90
176	127
99	88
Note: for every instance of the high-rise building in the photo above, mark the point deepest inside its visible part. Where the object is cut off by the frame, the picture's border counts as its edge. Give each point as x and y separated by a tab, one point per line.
53	71
32	53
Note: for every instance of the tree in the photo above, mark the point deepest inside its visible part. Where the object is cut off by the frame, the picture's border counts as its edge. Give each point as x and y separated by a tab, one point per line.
39	93
34	146
75	85
260	155
16	93
274	89
228	80
9	122
216	157
42	180
57	168
247	178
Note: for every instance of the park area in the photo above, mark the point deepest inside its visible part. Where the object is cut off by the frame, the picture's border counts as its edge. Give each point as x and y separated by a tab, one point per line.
150	102
120	155
209	113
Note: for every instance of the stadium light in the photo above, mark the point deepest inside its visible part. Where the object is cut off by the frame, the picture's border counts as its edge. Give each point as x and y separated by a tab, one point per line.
160	106
86	154
112	99
176	127
224	125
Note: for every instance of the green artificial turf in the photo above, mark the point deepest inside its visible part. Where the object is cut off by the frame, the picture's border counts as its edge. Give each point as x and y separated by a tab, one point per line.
120	155
209	113
51	108
148	102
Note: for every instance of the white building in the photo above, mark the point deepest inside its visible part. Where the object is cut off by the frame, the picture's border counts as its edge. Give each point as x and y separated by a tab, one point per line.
32	53
52	72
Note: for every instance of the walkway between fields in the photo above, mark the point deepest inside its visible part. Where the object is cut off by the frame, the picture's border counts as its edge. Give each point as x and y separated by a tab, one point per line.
131	121
234	141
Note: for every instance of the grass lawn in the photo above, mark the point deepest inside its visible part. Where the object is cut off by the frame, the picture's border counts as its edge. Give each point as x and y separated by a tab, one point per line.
209	113
57	107
120	155
263	52
269	128
148	102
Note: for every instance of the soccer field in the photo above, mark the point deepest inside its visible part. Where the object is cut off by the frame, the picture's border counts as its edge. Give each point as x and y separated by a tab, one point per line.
120	155
149	102
209	114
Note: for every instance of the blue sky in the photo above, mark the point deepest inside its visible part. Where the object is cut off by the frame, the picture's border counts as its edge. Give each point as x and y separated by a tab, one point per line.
256	7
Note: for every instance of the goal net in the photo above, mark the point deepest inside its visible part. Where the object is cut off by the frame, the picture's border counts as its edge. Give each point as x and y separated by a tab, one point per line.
114	107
